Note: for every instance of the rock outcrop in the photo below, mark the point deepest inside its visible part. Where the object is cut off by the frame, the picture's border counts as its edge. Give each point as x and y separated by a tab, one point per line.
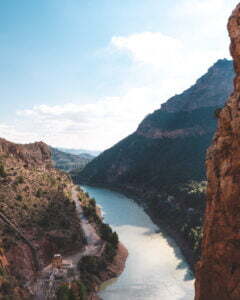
218	272
37	215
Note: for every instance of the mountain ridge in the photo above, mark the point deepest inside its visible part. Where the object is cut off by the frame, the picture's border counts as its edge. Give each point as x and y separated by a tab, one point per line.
165	159
161	129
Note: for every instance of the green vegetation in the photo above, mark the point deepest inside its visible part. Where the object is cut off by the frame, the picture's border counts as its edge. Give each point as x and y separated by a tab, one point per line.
77	291
183	211
39	193
104	230
19	180
91	267
2	171
19	198
164	172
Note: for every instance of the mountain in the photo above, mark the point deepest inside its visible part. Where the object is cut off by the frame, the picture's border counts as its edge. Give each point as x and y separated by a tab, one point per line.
69	162
80	151
218	271
41	214
162	162
37	216
169	145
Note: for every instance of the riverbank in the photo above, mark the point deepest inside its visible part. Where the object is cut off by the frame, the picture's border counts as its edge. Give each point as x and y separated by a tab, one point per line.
70	276
113	268
165	227
112	271
156	268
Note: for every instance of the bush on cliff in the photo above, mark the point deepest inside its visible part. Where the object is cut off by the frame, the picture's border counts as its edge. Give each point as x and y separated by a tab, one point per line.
77	291
2	171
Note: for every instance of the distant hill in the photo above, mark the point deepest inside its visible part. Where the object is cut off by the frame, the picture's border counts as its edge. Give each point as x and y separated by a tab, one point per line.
80	151
68	162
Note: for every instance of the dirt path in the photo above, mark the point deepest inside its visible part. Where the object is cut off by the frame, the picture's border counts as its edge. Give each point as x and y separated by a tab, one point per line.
43	286
94	243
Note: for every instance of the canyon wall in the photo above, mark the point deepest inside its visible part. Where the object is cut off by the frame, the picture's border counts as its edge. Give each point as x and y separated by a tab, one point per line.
37	215
218	272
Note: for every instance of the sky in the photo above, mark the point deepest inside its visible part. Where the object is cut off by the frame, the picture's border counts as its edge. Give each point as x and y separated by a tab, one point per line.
84	73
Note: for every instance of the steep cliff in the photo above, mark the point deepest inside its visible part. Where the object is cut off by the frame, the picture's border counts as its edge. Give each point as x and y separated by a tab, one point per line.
37	215
218	272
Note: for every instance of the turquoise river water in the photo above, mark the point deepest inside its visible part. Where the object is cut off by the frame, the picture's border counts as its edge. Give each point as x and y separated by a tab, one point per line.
155	268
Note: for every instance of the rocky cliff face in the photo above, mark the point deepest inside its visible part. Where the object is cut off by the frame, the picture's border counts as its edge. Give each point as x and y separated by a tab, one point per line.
218	272
37	215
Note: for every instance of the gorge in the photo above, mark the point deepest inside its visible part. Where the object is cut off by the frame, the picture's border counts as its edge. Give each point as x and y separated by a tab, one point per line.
162	163
157	215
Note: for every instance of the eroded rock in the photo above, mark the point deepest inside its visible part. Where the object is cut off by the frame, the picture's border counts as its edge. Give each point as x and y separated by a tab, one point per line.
218	272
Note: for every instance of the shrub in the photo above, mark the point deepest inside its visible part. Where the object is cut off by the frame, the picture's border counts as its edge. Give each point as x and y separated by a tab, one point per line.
108	235
2	171
64	293
217	112
91	264
19	180
39	193
110	252
19	197
92	202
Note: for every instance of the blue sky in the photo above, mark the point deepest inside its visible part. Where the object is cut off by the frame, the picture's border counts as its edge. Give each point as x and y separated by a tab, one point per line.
83	74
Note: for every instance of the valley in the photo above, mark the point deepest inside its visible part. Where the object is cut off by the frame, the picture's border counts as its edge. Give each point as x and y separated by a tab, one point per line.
162	164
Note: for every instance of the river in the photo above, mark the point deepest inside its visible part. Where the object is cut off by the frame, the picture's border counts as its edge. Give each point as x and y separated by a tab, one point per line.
155	268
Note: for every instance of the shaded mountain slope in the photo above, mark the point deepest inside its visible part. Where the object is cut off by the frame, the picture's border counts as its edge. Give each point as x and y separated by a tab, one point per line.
168	147
162	163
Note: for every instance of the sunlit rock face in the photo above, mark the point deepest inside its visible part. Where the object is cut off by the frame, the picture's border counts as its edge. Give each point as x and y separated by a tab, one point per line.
218	272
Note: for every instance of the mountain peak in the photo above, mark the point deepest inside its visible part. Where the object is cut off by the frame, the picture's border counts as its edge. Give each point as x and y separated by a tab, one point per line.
212	89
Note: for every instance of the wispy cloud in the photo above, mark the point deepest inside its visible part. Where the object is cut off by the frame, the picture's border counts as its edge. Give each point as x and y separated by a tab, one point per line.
94	126
159	66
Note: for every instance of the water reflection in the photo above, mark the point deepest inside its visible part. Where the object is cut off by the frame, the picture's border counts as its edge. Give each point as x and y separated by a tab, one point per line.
155	268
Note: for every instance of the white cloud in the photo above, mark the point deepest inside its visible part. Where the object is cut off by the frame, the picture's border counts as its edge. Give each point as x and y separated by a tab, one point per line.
149	47
11	133
161	65
165	64
92	126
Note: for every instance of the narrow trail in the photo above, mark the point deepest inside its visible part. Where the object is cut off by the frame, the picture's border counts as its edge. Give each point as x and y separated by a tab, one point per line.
94	243
45	286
